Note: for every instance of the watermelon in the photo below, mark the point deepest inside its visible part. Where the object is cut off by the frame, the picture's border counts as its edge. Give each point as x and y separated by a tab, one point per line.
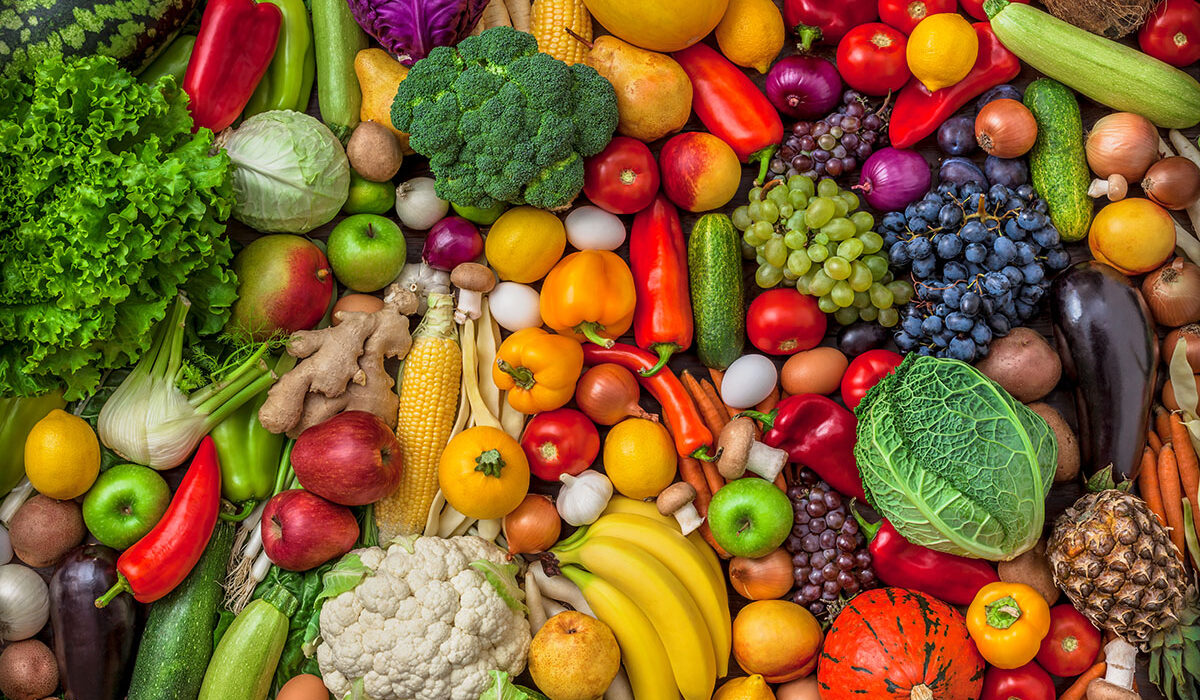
131	31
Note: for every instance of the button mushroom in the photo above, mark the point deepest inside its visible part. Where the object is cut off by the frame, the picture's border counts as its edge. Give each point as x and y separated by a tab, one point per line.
473	281
677	500
1115	188
1117	683
739	452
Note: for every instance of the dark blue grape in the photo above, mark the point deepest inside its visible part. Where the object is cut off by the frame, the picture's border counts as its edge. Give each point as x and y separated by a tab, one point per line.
1032	295
924	268
905	341
1013	203
987	305
999	323
928	209
954	270
961	349
975	252
1011	172
1024	310
918	224
952	296
995	283
970	188
893	220
1026	192
898	253
1030	220
941	310
1033	273
958	322
941	341
974	199
1040	206
910	212
950	216
993	226
1005	248
970	303
996	196
973	232
925	351
1058	259
1025	253
948	189
1014	275
981	334
949	246
1046	237
931	325
911	325
993	262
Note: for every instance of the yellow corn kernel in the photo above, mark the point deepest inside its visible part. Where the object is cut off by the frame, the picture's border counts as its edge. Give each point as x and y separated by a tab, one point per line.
551	19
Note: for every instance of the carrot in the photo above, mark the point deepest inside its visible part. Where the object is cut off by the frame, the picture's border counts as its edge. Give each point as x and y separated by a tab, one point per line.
1168	483
1148	486
768	404
689	469
714	395
1162	424
1078	689
706	532
717	376
1152	439
708	411
1185	455
712	475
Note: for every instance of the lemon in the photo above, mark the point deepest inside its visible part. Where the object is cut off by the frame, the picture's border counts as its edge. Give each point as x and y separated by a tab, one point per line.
524	244
751	33
942	49
748	688
62	456
639	458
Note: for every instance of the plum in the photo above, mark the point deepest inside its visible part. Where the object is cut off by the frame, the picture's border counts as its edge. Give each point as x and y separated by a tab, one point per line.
1000	92
956	136
961	171
1010	172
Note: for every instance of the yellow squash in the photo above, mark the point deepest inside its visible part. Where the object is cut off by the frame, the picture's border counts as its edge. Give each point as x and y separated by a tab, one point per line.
659	25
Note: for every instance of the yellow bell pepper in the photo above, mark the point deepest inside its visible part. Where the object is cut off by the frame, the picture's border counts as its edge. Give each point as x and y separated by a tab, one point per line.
538	370
1008	622
589	296
483	473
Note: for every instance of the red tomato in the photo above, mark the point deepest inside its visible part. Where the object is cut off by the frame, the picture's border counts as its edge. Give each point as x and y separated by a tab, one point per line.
1072	644
623	178
864	372
562	441
907	14
871	59
1172	33
975	7
1028	682
783	322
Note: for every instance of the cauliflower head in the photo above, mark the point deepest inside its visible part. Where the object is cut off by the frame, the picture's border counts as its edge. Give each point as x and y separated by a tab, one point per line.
422	624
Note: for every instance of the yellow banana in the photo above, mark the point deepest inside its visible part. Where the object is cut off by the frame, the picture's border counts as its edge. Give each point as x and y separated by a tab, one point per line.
622	504
642	652
688	565
663	599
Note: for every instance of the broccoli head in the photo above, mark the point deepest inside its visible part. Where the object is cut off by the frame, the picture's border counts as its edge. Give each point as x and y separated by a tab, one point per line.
500	121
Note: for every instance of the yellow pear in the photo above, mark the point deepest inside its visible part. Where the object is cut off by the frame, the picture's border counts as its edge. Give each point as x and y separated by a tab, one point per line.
654	95
379	76
574	657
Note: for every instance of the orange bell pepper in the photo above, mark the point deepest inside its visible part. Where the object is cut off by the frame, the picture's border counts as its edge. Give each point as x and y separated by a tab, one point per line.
538	370
1008	622
589	296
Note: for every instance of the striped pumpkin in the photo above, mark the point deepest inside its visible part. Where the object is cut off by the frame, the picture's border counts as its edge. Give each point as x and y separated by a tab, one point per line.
893	643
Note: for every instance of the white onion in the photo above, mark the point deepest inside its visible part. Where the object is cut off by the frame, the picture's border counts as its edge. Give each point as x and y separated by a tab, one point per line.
418	206
592	228
24	602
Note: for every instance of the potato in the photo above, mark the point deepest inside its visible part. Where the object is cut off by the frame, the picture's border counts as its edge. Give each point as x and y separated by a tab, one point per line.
374	152
44	530
1023	363
1032	569
1068	445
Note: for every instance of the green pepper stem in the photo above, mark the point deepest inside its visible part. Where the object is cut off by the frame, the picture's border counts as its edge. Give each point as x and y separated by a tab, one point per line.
522	376
247	508
868	529
767	419
121	586
665	351
703	454
591	331
763	158
1003	613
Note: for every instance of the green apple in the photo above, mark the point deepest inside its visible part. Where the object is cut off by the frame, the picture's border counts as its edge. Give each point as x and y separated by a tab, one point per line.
366	251
750	517
124	504
480	215
368	197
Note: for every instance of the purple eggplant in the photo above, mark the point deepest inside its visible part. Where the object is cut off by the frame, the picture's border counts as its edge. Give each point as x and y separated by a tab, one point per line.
1110	352
94	646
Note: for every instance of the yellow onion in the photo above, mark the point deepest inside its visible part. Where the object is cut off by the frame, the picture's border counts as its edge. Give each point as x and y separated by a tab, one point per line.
1173	183
1123	143
532	527
765	578
1173	293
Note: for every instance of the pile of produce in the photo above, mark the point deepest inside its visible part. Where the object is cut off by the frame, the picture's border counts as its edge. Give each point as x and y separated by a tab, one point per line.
580	349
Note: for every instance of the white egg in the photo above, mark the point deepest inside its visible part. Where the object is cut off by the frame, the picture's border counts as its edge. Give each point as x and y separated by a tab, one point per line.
748	381
592	228
515	306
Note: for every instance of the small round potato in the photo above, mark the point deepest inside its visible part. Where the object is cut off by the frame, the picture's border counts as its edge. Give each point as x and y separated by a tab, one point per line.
1024	364
1068	444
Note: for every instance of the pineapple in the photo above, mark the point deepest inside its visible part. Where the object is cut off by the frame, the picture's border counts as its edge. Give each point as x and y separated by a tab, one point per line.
1117	564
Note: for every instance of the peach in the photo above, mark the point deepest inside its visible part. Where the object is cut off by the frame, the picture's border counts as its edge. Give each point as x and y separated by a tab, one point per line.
778	639
700	172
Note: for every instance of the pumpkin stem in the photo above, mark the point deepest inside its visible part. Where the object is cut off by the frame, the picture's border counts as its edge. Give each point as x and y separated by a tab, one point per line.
921	692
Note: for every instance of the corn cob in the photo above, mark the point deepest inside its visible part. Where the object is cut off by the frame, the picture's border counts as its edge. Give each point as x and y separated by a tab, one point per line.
550	20
429	390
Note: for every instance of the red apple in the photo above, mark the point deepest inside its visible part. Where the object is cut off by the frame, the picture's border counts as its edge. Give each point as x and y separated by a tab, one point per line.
352	458
301	530
700	172
284	285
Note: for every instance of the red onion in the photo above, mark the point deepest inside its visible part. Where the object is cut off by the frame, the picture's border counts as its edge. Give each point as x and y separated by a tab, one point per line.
451	242
804	87
893	178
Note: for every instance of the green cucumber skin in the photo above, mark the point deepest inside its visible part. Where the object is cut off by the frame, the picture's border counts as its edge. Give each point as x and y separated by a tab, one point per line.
244	663
178	639
1110	73
337	39
1058	163
715	277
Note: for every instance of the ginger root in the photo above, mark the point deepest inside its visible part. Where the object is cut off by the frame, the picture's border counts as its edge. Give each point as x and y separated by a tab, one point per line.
341	369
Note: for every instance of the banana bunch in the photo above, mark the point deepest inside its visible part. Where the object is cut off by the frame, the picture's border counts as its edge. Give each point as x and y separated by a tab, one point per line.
662	594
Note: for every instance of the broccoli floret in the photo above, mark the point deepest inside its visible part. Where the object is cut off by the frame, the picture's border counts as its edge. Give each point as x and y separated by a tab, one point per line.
501	121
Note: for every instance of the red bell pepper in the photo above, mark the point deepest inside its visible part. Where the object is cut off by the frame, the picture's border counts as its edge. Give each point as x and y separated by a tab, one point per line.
918	113
233	50
159	562
1172	33
662	319
692	437
1028	682
898	562
818	433
827	21
731	106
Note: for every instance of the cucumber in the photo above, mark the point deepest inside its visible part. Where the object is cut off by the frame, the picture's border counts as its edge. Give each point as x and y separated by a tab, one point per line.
178	639
244	663
1110	73
715	277
1057	163
337	39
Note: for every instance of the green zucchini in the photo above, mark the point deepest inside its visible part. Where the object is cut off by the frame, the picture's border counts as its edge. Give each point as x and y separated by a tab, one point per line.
1110	73
337	39
244	663
715	278
178	639
1058	163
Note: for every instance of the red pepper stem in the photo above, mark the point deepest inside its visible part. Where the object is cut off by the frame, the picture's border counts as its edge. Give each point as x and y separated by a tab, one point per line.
807	35
763	158
591	331
868	529
664	350
121	586
767	419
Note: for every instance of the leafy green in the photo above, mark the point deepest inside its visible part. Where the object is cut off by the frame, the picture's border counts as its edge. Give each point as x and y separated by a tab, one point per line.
502	688
953	461
503	578
109	205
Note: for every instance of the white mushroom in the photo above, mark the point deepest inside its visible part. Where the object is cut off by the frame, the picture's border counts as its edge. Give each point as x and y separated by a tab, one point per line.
738	452
678	500
1117	683
1115	188
473	281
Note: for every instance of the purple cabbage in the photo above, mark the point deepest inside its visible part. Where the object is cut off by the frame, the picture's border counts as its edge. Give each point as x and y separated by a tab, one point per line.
410	29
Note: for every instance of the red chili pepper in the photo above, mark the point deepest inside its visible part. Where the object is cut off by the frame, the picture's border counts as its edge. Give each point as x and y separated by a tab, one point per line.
731	106
818	433
918	113
692	437
662	319
159	562
233	50
898	562
1172	33
827	21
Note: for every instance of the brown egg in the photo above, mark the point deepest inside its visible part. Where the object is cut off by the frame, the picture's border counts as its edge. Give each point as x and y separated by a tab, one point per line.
356	302
304	686
816	371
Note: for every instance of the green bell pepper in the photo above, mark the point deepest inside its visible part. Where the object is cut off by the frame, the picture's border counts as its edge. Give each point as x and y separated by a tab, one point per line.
288	81
17	418
248	454
172	61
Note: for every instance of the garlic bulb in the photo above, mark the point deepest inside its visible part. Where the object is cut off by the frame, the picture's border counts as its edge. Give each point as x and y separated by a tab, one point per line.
583	497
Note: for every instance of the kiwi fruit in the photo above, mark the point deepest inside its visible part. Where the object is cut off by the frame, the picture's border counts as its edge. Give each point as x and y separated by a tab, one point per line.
374	152
28	670
1023	363
1068	444
44	530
